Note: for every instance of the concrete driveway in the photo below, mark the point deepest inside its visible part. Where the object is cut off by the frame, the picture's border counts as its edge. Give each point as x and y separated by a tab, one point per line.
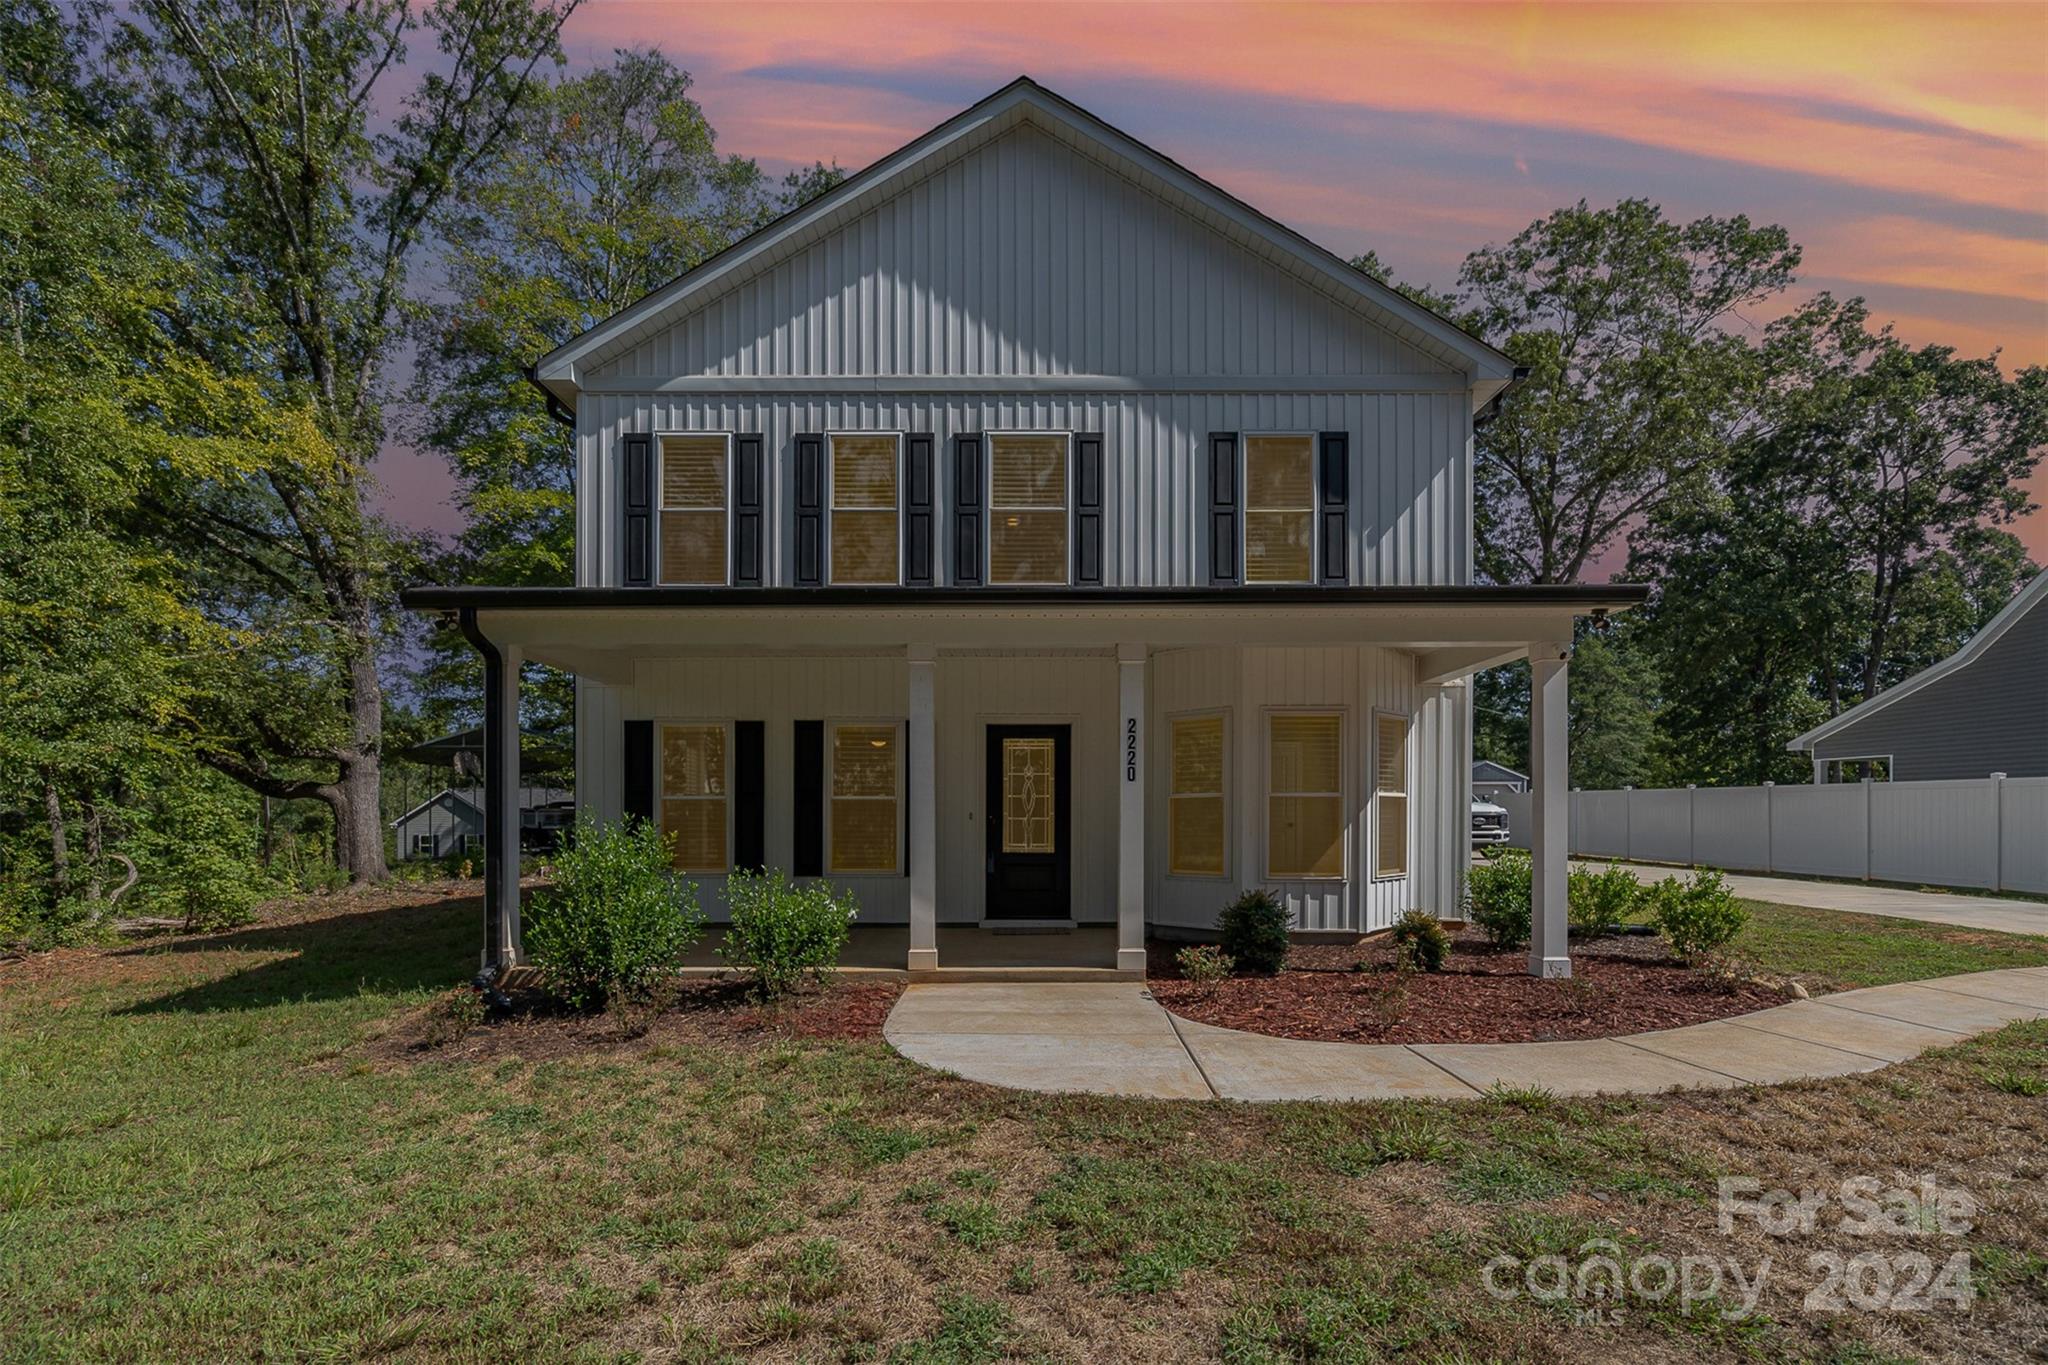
1857	898
1114	1039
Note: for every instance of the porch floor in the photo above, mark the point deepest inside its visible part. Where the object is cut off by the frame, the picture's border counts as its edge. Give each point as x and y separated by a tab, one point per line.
966	953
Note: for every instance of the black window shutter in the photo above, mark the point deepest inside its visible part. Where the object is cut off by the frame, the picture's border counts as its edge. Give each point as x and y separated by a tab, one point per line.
918	520
636	780
1088	510
1335	506
1223	516
807	852
967	511
810	511
749	796
638	541
746	510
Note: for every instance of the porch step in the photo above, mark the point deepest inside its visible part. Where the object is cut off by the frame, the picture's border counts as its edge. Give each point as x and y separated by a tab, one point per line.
1014	928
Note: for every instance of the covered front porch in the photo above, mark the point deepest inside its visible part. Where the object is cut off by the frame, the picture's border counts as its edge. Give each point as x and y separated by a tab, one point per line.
1122	651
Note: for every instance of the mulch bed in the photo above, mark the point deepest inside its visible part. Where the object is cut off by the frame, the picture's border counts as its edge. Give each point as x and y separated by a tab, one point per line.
1350	993
708	1011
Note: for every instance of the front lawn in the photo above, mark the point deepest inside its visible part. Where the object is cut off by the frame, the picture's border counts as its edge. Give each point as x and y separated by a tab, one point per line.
209	1149
1837	951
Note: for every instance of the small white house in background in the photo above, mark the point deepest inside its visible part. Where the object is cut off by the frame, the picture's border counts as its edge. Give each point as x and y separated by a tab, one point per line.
1027	533
1490	779
451	821
1982	710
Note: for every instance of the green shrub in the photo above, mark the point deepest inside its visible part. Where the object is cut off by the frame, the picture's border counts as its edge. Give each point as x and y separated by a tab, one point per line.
1497	898
781	930
617	919
1253	929
1420	940
1596	900
1203	964
1697	915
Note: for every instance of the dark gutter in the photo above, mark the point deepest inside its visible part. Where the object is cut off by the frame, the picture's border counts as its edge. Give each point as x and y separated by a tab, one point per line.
1579	596
557	409
1491	411
497	829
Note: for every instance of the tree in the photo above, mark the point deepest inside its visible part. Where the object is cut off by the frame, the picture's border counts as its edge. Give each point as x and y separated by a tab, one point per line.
609	185
257	118
1637	385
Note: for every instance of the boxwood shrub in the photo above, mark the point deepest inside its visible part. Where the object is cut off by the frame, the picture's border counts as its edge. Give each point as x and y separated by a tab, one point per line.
1253	932
615	919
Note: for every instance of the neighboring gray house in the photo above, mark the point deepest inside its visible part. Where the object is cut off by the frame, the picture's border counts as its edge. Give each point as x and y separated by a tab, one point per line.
1490	779
1982	710
451	821
1028	533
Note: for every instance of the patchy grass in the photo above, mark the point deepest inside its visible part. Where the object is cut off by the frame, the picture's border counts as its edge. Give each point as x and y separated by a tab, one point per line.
1838	951
208	1150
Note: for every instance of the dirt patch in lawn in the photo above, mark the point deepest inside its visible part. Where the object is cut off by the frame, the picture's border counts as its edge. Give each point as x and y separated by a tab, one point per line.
1351	993
722	1011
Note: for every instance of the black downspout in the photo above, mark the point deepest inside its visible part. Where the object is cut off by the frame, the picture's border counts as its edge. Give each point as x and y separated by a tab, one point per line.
496	837
557	409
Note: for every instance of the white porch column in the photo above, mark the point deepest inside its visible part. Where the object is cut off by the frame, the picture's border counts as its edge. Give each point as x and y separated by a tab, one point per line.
1131	759
1549	808
922	768
506	829
1441	771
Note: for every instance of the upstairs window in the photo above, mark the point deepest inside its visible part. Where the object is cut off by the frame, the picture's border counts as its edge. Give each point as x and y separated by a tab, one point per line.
694	485
1390	794
866	786
696	796
1027	508
1305	796
1195	835
866	544
1279	509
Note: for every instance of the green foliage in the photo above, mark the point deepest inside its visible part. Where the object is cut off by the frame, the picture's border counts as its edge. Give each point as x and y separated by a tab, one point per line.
196	854
1203	964
782	931
616	919
1596	900
1421	941
1253	932
1497	896
1698	915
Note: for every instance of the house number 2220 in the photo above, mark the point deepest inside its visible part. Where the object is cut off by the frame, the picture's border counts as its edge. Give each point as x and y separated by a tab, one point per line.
1130	748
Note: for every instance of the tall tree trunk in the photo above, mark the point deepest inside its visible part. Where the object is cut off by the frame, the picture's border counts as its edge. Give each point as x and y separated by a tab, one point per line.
362	773
60	856
96	883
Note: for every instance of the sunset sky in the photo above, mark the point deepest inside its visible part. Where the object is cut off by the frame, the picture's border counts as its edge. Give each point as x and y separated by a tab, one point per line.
1906	148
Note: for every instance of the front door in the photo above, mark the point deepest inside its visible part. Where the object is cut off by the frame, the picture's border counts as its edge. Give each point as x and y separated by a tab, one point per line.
1029	854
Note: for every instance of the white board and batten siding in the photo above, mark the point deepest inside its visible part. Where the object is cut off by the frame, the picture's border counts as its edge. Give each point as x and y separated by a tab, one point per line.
1026	286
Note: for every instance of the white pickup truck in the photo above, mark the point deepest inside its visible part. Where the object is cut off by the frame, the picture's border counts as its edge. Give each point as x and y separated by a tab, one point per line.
1489	822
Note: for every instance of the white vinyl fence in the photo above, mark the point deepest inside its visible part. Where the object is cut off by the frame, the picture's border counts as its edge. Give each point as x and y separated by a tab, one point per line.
1989	832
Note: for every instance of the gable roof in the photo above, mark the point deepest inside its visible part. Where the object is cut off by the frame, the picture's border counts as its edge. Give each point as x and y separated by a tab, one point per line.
2025	600
1503	771
445	794
1024	100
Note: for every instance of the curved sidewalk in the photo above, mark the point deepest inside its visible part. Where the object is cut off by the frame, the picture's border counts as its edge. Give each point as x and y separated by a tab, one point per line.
1114	1039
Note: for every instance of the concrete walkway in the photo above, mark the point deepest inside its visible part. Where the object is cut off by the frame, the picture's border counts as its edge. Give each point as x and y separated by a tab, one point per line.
1857	898
1114	1039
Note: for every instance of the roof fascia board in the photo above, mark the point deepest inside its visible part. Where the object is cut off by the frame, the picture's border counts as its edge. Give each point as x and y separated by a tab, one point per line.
1972	649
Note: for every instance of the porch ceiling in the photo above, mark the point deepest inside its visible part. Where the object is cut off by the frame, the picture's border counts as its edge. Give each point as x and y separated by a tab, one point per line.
602	633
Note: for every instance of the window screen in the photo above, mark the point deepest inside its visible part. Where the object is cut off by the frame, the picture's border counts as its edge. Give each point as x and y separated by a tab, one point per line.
1390	795
1304	797
866	786
1279	509
864	506
1195	827
695	796
693	520
1027	509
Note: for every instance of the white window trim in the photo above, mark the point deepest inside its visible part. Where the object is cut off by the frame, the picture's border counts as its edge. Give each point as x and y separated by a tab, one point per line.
1244	522
1229	762
661	790
1343	715
832	727
1835	766
831	507
472	843
988	539
660	462
1407	793
431	849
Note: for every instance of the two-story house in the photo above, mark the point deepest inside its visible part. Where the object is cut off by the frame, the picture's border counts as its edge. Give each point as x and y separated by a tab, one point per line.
1027	532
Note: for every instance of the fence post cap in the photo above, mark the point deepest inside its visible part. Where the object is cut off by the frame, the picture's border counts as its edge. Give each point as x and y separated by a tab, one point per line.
1770	784
1998	777
1692	786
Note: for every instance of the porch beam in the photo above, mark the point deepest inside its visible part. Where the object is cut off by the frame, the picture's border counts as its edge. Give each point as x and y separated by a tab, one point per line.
1436	667
1549	807
923	814
1131	759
